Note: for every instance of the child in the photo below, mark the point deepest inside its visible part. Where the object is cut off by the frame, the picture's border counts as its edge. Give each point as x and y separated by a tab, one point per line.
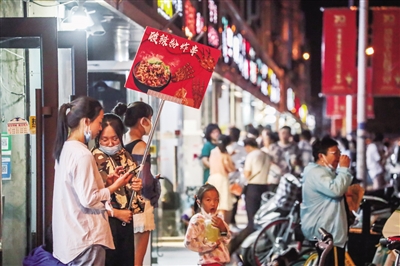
212	253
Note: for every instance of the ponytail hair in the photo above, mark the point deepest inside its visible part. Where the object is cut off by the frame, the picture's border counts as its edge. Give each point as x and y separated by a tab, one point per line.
69	117
223	142
133	112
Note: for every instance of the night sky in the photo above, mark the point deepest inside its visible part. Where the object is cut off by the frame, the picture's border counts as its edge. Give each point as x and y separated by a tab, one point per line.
313	18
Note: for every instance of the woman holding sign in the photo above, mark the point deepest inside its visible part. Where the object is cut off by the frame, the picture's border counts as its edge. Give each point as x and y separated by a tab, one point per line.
137	117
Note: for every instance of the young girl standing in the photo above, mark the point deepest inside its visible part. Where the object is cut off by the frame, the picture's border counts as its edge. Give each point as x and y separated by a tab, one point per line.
212	252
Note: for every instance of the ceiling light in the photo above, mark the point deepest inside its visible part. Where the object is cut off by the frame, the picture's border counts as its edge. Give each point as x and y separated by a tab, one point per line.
80	18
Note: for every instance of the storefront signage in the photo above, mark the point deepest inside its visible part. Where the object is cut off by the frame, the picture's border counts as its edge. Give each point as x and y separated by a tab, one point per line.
212	12
17	126
236	49
168	8
212	29
172	68
290	99
5	167
190	19
5	142
32	124
199	23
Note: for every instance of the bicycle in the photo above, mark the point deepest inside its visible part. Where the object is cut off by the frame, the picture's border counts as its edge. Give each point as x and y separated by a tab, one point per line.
326	244
291	258
276	236
392	243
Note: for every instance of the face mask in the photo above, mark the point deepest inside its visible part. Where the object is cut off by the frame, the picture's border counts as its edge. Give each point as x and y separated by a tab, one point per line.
88	135
110	150
148	128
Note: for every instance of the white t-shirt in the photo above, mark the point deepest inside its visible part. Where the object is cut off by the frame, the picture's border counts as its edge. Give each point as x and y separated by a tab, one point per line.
79	215
258	163
373	159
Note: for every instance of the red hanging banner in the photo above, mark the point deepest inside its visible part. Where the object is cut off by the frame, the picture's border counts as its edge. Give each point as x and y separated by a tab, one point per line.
336	106
386	58
339	52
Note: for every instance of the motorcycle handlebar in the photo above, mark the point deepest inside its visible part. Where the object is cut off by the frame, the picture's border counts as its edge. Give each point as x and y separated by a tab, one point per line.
324	234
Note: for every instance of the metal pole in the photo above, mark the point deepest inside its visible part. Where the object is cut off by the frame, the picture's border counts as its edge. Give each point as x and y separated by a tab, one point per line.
349	114
361	114
349	101
148	144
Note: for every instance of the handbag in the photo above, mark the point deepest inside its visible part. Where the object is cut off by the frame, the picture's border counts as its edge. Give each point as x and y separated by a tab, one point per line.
138	203
236	189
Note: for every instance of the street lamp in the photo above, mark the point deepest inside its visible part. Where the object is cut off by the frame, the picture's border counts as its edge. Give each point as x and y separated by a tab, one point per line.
306	56
369	50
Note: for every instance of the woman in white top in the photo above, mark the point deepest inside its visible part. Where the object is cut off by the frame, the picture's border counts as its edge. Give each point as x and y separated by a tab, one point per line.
81	231
221	165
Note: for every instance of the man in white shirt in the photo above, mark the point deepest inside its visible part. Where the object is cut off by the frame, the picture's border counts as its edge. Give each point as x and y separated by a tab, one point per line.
255	171
375	157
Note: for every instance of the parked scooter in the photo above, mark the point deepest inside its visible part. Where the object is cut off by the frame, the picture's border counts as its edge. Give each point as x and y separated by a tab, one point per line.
382	203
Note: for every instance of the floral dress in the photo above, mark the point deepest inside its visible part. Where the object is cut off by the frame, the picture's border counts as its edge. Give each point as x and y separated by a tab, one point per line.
208	252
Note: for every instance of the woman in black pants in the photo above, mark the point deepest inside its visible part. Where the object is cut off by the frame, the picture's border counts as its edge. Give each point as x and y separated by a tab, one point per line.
109	154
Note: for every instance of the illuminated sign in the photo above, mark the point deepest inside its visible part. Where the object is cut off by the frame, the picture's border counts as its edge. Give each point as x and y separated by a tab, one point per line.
190	19
236	49
212	29
213	38
167	8
290	99
212	12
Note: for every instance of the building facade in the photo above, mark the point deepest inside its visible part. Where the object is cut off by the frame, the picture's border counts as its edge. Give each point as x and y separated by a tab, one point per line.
260	79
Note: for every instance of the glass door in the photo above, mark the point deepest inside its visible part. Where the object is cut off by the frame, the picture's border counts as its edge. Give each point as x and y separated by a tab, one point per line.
28	115
20	72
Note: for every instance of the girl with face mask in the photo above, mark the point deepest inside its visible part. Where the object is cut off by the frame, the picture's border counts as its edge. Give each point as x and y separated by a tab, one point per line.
137	118
81	232
109	154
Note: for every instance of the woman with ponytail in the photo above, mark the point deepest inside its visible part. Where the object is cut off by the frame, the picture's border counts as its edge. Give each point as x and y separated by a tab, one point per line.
81	231
137	118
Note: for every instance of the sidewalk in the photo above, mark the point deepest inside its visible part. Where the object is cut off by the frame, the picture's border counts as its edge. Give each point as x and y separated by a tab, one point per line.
171	250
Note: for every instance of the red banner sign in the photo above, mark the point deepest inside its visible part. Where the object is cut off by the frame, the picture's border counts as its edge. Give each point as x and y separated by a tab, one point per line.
339	52
336	104
172	68
386	58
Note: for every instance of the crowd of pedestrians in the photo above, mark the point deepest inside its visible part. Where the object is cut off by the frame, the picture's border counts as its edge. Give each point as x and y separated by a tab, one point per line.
104	197
324	165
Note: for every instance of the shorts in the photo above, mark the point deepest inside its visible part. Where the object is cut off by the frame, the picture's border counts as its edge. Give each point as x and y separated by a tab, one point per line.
144	221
